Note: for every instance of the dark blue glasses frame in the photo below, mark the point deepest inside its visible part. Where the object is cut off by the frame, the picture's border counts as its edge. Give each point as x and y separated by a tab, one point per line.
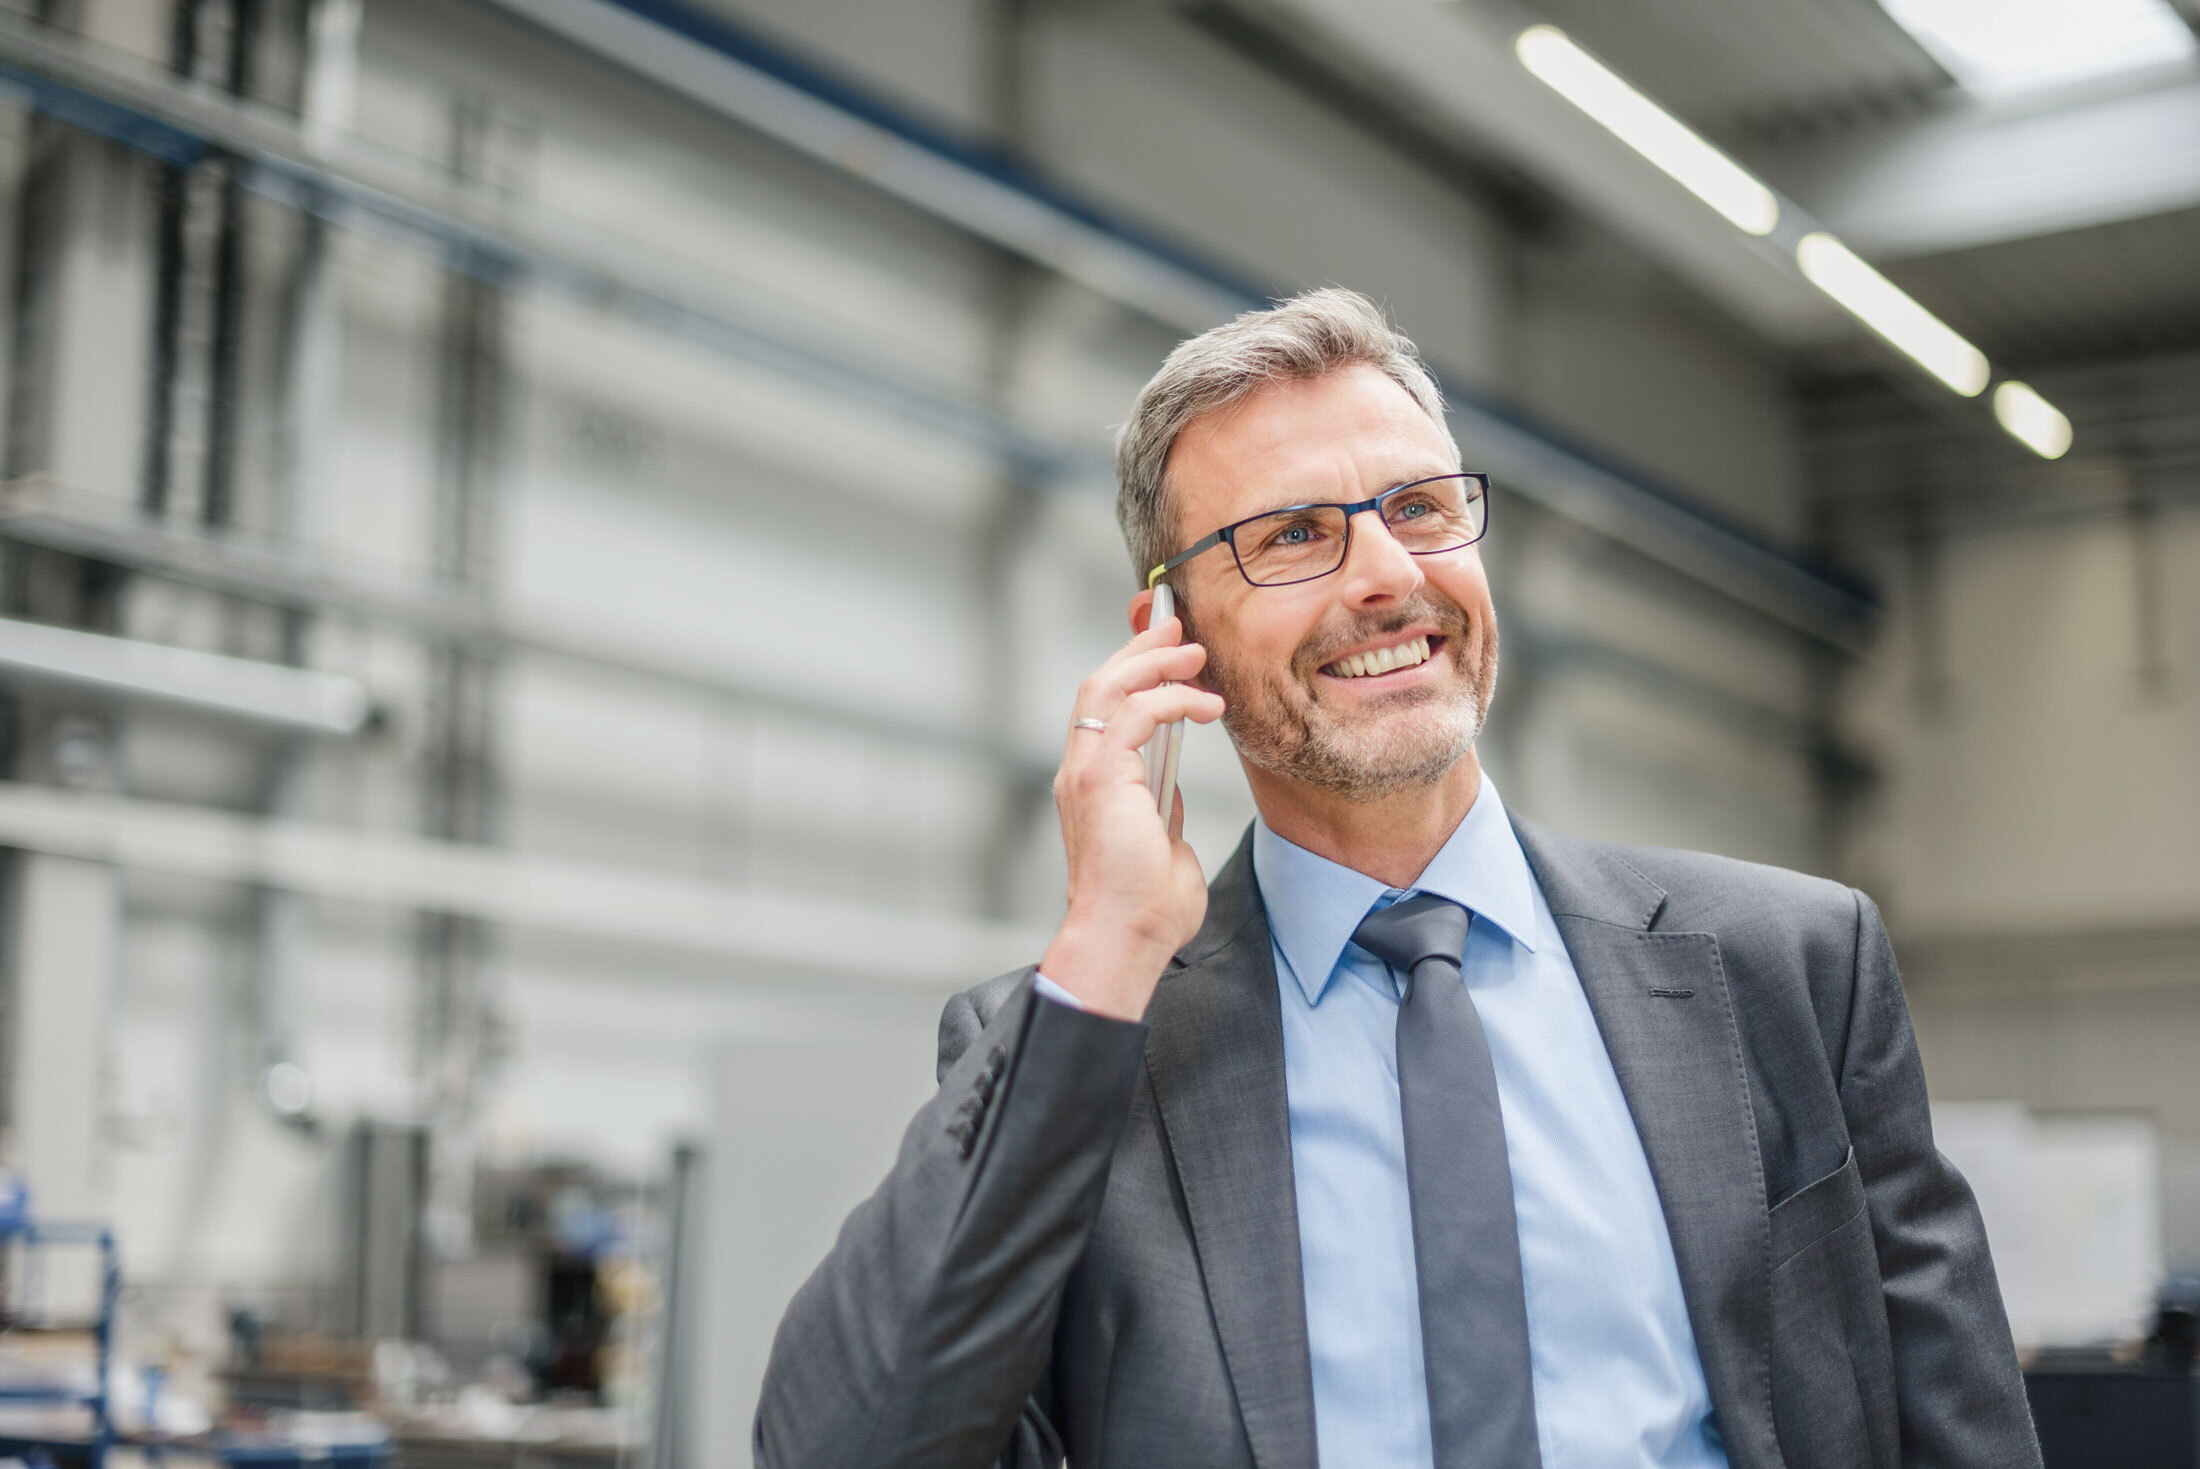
1228	534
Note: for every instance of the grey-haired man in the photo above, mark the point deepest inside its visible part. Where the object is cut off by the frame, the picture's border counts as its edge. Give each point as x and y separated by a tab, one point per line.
1422	1137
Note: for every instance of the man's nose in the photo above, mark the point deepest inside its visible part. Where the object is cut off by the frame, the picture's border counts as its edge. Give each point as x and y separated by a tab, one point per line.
1376	568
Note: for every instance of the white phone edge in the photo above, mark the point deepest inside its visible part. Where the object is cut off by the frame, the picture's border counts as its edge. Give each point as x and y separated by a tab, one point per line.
1163	751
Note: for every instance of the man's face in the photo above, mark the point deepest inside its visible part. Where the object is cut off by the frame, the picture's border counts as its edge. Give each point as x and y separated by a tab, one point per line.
1278	655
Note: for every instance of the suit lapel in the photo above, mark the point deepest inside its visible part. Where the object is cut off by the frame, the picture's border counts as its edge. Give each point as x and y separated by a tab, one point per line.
1667	1018
1214	1053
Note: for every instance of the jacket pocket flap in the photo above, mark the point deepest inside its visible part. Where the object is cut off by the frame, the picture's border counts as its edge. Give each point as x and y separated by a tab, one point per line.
1816	1210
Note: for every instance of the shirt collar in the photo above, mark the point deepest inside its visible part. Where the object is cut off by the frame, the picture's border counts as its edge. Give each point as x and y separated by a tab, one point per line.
1314	904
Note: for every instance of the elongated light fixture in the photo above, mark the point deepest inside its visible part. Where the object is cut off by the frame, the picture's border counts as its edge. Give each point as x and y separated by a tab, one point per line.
1552	58
2031	420
1890	311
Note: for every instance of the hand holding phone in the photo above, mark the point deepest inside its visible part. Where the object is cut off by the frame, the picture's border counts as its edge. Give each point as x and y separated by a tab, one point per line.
1136	894
1167	744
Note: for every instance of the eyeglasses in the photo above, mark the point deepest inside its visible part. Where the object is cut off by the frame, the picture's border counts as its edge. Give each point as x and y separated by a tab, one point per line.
1302	542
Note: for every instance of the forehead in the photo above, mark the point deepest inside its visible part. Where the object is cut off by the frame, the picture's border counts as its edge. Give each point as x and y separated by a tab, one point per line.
1342	436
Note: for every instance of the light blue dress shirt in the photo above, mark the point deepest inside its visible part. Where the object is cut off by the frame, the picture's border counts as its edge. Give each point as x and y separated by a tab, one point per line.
1618	1384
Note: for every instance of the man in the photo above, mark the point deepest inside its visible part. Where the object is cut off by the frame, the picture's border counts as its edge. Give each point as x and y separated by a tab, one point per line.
1422	1137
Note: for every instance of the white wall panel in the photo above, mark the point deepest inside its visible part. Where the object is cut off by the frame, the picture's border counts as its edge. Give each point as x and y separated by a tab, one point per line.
2051	791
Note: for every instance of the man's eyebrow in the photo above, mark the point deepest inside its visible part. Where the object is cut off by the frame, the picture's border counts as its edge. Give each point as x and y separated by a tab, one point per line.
1286	503
1396	482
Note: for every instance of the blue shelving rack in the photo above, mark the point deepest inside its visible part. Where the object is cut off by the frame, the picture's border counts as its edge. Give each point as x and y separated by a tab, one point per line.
91	1448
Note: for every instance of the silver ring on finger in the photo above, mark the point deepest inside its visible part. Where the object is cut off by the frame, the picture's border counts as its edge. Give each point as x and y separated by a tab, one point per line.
1097	726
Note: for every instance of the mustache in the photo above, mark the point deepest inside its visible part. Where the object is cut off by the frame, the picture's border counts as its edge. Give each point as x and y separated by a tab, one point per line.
1328	643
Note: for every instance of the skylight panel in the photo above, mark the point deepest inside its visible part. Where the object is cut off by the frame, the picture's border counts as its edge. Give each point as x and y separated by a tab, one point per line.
1998	47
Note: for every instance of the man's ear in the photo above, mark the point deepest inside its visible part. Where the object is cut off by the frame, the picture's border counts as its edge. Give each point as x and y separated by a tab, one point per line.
1141	611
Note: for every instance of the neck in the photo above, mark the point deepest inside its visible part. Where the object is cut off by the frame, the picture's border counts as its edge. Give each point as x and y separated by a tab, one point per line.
1392	838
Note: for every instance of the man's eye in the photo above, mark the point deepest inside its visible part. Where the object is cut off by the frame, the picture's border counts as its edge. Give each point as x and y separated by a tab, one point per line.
1294	535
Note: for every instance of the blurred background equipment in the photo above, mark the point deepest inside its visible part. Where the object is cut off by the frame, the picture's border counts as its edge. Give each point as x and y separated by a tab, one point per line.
544	545
58	1326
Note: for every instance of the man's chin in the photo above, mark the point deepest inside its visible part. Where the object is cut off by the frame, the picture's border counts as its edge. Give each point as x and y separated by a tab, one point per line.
1369	758
1385	767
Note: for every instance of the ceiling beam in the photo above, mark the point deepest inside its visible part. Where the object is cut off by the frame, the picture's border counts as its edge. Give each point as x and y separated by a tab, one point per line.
1981	173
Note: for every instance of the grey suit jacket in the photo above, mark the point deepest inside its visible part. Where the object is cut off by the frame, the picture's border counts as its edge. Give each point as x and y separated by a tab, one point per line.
1088	1245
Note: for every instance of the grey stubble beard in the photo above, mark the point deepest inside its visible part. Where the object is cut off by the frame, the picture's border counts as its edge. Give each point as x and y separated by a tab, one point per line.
1290	737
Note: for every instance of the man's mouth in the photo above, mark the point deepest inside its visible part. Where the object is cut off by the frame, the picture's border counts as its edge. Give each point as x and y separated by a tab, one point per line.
1375	662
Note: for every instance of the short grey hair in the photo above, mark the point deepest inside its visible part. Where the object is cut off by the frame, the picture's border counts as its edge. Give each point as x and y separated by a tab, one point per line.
1307	336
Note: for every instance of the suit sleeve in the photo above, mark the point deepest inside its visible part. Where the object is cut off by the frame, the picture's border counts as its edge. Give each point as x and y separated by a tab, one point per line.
923	1336
1960	1396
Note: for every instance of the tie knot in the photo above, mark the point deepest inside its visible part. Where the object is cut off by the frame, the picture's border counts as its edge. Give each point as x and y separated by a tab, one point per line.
1407	934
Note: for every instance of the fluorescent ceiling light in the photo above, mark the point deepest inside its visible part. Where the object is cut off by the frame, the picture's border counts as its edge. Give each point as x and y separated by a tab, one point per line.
2032	420
1889	310
1995	47
1649	129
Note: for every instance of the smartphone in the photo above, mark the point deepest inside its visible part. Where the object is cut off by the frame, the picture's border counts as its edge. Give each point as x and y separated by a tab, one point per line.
1167	744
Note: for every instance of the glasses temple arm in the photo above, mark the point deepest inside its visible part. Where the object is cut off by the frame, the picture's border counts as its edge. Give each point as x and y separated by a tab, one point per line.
1203	543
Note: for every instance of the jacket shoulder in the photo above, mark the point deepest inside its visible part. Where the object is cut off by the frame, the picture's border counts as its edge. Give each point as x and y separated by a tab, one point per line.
1790	943
1707	892
1768	920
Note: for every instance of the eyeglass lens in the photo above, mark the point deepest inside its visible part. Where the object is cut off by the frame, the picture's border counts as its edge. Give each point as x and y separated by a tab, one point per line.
1309	541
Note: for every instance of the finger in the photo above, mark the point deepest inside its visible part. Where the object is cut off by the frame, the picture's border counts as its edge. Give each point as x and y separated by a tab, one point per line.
1167	632
1138	716
1160	631
1122	676
1101	697
1118	754
1176	816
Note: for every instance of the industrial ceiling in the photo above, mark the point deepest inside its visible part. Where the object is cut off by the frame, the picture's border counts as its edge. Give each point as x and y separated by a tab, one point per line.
2062	227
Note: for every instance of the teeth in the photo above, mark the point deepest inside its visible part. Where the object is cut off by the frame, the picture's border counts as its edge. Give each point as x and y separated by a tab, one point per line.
1382	660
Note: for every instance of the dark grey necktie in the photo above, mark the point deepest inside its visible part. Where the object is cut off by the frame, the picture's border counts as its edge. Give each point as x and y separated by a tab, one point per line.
1466	1244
